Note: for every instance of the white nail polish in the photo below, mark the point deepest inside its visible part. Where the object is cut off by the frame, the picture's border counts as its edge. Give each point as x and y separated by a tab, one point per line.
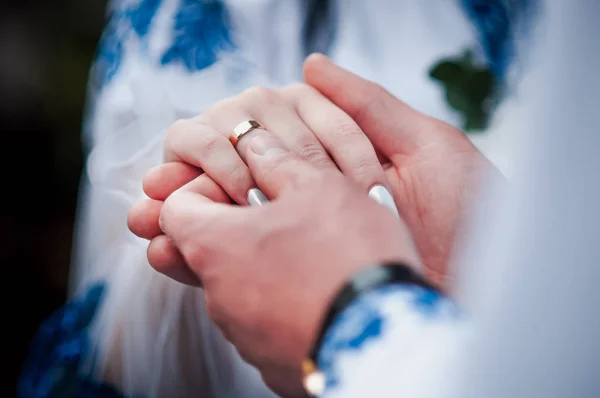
255	197
382	196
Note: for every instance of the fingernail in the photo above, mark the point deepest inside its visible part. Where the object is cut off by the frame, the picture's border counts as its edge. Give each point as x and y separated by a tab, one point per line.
255	197
382	196
264	145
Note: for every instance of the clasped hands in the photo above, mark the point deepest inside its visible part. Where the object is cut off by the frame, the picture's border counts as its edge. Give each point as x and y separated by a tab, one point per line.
269	272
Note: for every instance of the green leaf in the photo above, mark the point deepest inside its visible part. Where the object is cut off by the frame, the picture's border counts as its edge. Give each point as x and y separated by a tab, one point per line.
471	89
476	122
480	85
457	98
446	71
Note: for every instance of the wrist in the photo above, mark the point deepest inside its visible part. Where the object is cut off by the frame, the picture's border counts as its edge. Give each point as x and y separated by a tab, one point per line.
362	282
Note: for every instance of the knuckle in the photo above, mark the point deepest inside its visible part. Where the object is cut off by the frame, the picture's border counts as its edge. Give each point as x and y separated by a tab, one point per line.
298	89
346	130
174	131
178	126
314	153
209	141
240	177
352	141
221	107
259	94
349	136
365	170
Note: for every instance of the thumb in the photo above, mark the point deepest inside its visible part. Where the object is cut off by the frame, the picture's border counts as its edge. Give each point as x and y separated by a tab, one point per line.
197	225
391	125
275	168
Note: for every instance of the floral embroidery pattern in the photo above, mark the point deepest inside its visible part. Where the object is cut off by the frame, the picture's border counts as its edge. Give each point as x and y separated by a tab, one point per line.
141	16
59	351
491	20
201	31
470	89
362	321
110	50
473	89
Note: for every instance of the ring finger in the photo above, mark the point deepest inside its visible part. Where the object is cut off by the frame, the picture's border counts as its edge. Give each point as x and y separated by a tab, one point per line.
202	146
277	116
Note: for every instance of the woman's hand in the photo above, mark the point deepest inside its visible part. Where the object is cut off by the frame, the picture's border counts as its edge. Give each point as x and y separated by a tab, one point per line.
270	272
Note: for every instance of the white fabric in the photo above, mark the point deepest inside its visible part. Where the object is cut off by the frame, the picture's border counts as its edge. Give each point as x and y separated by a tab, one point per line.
533	285
531	267
154	332
407	355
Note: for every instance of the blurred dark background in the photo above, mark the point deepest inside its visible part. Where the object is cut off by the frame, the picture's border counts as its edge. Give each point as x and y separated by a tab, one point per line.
46	47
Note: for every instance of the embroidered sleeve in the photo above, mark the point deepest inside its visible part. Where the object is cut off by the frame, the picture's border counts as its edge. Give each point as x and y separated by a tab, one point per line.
60	354
201	30
392	342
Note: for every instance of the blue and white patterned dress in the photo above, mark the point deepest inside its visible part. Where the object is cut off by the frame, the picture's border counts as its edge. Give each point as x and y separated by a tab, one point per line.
161	60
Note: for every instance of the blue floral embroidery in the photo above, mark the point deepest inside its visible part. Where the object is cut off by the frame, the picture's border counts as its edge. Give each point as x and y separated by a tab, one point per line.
491	20
110	50
59	351
495	21
120	23
201	31
427	302
142	15
363	321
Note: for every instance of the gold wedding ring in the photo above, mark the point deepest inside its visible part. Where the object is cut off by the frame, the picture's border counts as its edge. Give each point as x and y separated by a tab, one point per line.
243	128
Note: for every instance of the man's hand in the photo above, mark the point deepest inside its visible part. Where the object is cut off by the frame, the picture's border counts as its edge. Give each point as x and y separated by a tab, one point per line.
432	167
270	272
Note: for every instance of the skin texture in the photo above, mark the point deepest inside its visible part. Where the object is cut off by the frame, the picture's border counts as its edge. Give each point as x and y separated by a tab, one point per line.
269	273
325	143
336	120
